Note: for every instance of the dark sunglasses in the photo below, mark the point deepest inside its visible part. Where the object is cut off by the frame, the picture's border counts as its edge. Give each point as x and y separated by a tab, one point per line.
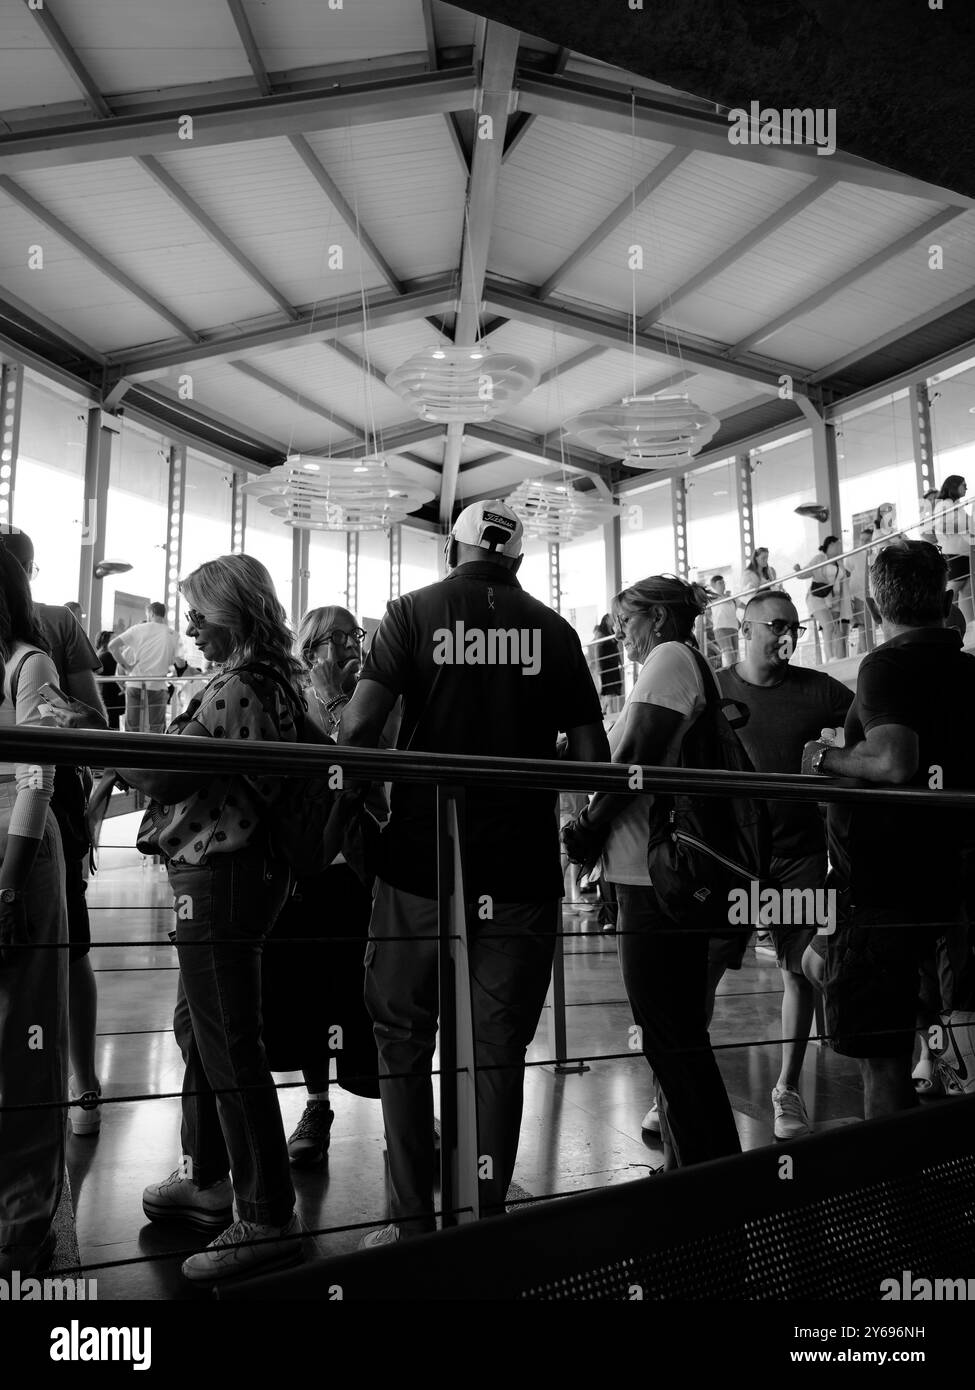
195	619
780	626
340	637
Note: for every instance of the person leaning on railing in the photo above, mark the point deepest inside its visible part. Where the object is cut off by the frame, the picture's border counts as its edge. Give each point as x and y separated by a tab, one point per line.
229	888
33	955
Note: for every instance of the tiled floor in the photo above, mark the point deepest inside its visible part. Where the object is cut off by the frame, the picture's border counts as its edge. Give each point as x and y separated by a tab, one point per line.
580	1130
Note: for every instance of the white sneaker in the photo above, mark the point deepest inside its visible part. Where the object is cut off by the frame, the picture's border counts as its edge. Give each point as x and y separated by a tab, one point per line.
386	1235
247	1248
86	1115
651	1120
791	1120
179	1199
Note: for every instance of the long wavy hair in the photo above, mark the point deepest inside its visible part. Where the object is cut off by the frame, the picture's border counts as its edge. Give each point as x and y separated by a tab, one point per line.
236	592
18	617
684	603
763	571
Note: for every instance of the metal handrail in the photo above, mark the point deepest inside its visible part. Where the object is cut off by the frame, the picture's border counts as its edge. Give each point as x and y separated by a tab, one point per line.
108	748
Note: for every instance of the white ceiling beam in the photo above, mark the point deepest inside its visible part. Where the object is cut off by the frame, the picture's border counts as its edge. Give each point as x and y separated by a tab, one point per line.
395	440
433	58
521	444
84	248
260	118
523	124
593	324
498	56
740	248
302	401
609	106
960	301
609	224
322	323
874	262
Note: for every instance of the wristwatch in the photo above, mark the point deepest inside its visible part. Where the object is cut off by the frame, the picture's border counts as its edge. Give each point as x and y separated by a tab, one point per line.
817	760
9	895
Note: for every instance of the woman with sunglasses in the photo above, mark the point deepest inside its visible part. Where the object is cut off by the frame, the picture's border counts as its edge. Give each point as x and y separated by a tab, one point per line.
229	888
664	971
330	641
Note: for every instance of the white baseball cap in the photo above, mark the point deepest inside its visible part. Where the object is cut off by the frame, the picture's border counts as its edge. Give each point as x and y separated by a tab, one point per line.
491	525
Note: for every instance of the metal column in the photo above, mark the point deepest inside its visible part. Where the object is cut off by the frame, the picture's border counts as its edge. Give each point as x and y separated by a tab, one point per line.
238	516
459	1155
300	573
352	571
679	505
395	560
98	467
174	534
11	399
554	577
746	514
825	468
923	437
612	542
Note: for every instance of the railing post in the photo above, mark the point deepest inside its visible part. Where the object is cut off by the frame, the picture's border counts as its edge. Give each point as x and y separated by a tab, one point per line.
459	1193
557	1040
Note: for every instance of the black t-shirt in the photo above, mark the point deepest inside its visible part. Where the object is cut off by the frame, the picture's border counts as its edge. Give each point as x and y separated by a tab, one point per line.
782	719
911	859
484	669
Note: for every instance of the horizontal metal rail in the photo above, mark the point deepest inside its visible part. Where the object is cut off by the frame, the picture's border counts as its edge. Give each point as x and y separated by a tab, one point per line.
107	748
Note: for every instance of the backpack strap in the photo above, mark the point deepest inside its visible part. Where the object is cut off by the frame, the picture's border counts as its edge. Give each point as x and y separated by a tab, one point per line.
15	675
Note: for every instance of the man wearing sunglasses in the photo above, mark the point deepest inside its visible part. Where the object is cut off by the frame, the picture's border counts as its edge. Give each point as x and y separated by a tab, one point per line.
787	705
148	649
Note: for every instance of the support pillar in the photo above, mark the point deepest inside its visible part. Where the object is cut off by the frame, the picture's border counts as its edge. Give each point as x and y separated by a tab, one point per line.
395	560
11	400
679	504
746	514
238	515
174	534
825	468
554	577
923	438
98	466
612	542
352	571
300	573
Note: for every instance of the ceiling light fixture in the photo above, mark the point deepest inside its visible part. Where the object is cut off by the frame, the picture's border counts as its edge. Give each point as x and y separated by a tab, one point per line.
558	511
463	385
338	494
645	431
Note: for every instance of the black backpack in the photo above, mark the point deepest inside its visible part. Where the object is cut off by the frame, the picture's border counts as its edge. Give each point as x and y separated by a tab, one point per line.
303	828
702	847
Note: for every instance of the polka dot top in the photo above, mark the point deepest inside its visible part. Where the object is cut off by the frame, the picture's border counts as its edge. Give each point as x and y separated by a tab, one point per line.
227	813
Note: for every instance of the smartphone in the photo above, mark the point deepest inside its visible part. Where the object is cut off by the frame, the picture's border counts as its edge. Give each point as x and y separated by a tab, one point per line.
55	696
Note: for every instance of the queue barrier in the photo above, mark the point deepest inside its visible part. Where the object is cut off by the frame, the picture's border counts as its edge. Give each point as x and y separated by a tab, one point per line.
452	774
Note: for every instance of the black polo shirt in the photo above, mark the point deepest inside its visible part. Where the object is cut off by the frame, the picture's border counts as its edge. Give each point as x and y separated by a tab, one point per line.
482	668
911	859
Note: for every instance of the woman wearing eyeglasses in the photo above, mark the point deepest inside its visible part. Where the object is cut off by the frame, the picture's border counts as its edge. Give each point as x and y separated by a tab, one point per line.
314	1009
229	888
665	971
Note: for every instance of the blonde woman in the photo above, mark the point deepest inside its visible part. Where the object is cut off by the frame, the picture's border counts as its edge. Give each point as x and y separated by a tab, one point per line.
229	888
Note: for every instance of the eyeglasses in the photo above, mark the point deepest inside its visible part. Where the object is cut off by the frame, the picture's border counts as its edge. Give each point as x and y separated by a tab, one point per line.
340	637
196	619
780	626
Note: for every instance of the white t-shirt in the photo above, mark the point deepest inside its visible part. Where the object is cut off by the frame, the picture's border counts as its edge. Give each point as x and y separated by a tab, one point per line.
670	678
724	613
149	649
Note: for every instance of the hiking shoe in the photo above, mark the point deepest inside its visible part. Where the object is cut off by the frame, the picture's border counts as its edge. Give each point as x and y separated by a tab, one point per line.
309	1143
247	1248
28	1259
955	1050
651	1120
86	1115
791	1120
180	1199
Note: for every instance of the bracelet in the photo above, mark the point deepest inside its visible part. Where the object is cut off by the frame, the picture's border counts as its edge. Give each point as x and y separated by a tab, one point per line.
333	705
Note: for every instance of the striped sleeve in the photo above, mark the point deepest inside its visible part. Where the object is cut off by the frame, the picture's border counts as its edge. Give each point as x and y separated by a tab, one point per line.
35	782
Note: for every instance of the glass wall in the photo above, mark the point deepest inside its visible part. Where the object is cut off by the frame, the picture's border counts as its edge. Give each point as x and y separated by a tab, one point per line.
713	536
207	511
952	397
327	569
268	539
875	462
420	553
373	574
137	525
783	478
582	565
49	487
647	533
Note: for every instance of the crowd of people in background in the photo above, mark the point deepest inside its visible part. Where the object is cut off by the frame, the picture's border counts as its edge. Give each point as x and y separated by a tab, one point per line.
220	839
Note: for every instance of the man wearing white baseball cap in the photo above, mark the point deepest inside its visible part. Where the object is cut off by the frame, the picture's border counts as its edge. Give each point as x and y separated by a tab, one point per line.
483	669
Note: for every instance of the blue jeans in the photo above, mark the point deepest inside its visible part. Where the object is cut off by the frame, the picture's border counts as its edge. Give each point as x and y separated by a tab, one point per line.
665	974
231	1118
34	1049
510	966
